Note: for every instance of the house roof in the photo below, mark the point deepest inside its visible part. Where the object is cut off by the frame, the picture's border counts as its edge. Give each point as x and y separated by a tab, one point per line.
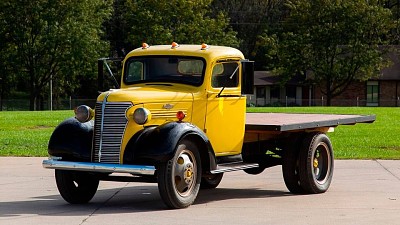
392	72
265	78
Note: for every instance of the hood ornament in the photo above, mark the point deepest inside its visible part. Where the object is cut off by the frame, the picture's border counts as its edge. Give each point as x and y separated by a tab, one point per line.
168	106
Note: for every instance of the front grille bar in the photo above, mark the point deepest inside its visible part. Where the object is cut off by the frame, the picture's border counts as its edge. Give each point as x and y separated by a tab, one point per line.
110	124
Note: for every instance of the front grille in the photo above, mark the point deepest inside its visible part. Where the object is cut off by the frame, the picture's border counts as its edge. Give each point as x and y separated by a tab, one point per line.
109	128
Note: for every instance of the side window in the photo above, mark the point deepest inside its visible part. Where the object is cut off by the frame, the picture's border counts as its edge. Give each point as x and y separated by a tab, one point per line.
225	75
135	71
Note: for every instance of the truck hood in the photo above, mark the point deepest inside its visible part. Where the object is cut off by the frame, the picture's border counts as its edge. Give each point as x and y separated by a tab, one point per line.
149	94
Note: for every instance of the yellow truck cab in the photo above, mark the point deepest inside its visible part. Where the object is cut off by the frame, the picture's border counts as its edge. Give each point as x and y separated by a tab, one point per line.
179	119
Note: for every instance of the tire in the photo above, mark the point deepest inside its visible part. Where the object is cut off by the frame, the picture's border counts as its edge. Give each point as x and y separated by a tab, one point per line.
316	163
179	178
211	181
254	171
290	167
76	187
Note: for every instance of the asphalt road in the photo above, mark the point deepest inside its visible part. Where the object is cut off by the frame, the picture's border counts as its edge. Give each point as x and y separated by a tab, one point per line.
362	192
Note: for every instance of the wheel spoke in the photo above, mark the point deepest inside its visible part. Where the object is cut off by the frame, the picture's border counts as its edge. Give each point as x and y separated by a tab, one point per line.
179	167
184	174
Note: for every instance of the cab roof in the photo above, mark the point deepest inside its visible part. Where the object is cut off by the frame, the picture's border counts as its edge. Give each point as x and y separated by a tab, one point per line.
206	51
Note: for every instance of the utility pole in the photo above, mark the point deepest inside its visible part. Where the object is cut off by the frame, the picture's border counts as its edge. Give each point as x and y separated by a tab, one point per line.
51	92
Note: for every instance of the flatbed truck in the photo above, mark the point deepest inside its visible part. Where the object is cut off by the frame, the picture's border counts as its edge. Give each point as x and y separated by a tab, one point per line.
179	119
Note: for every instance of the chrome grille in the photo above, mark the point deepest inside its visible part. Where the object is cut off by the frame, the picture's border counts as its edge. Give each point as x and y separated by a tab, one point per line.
109	128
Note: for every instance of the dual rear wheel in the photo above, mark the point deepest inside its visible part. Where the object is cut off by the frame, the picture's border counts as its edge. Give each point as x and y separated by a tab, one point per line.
308	164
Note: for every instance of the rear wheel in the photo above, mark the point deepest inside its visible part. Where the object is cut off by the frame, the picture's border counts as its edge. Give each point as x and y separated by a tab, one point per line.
179	178
76	187
316	163
290	167
211	181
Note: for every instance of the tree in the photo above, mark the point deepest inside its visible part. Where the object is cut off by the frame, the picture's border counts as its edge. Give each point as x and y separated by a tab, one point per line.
394	6
164	21
117	29
53	39
252	19
334	42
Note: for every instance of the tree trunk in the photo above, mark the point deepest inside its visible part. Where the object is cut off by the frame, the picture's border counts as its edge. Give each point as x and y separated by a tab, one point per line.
32	102
328	100
328	93
32	94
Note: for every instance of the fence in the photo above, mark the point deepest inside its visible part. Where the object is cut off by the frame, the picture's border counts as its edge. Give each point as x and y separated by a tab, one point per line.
65	104
290	102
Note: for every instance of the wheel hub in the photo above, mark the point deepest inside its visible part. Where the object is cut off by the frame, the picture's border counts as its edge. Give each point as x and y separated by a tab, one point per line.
188	174
315	163
184	173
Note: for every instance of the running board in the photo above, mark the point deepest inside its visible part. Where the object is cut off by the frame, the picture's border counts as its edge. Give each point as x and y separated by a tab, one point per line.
229	167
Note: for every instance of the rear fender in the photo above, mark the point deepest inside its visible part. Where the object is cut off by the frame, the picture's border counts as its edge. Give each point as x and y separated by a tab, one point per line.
158	144
72	140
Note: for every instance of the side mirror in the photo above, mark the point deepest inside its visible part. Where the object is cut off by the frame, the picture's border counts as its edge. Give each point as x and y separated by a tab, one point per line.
247	77
105	83
100	75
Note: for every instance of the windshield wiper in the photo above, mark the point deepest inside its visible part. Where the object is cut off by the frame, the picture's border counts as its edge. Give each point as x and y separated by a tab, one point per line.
226	81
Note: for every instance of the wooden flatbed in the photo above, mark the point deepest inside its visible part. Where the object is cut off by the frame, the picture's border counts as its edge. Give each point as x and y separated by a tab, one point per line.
298	121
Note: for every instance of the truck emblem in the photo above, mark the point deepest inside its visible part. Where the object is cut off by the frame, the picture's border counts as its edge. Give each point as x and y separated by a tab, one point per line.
168	106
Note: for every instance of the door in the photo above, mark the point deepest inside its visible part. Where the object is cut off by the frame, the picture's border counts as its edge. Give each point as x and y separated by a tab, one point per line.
226	109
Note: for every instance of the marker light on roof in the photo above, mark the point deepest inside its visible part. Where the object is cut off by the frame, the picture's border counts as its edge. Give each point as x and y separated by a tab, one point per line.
204	46
145	46
174	45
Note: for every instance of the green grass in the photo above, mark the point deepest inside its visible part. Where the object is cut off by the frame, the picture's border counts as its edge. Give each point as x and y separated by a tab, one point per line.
24	133
379	140
27	133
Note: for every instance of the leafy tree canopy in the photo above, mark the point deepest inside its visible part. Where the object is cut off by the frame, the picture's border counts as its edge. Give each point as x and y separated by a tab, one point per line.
164	21
332	41
52	39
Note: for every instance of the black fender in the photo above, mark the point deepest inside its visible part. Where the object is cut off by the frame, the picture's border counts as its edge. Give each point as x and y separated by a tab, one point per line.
158	144
72	140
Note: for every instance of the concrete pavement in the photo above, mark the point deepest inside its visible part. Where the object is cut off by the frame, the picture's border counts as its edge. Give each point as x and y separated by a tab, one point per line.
362	192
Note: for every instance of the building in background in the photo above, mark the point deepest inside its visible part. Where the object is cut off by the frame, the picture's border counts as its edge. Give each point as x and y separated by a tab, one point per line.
383	90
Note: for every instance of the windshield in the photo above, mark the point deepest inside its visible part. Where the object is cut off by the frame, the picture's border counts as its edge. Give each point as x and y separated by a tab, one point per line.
175	69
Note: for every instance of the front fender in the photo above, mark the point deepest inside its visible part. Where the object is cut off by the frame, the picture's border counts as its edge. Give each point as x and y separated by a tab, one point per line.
158	144
72	140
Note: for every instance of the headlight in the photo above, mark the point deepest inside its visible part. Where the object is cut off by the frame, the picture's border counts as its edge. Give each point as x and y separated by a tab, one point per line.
83	113
141	115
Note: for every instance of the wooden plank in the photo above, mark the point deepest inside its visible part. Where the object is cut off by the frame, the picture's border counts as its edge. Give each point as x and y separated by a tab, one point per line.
299	121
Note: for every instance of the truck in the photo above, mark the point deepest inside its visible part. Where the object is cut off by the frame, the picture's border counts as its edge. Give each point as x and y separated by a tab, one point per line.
179	120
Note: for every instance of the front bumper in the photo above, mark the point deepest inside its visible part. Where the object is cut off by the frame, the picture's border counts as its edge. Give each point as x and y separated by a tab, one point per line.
99	167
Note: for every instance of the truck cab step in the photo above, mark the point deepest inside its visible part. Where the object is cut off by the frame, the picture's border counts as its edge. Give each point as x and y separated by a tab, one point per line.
234	166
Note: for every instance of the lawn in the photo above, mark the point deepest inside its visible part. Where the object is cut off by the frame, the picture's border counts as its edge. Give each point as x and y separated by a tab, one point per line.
27	133
24	133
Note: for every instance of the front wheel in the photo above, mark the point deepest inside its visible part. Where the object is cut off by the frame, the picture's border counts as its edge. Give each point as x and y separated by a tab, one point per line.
211	181
316	163
76	187
179	178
